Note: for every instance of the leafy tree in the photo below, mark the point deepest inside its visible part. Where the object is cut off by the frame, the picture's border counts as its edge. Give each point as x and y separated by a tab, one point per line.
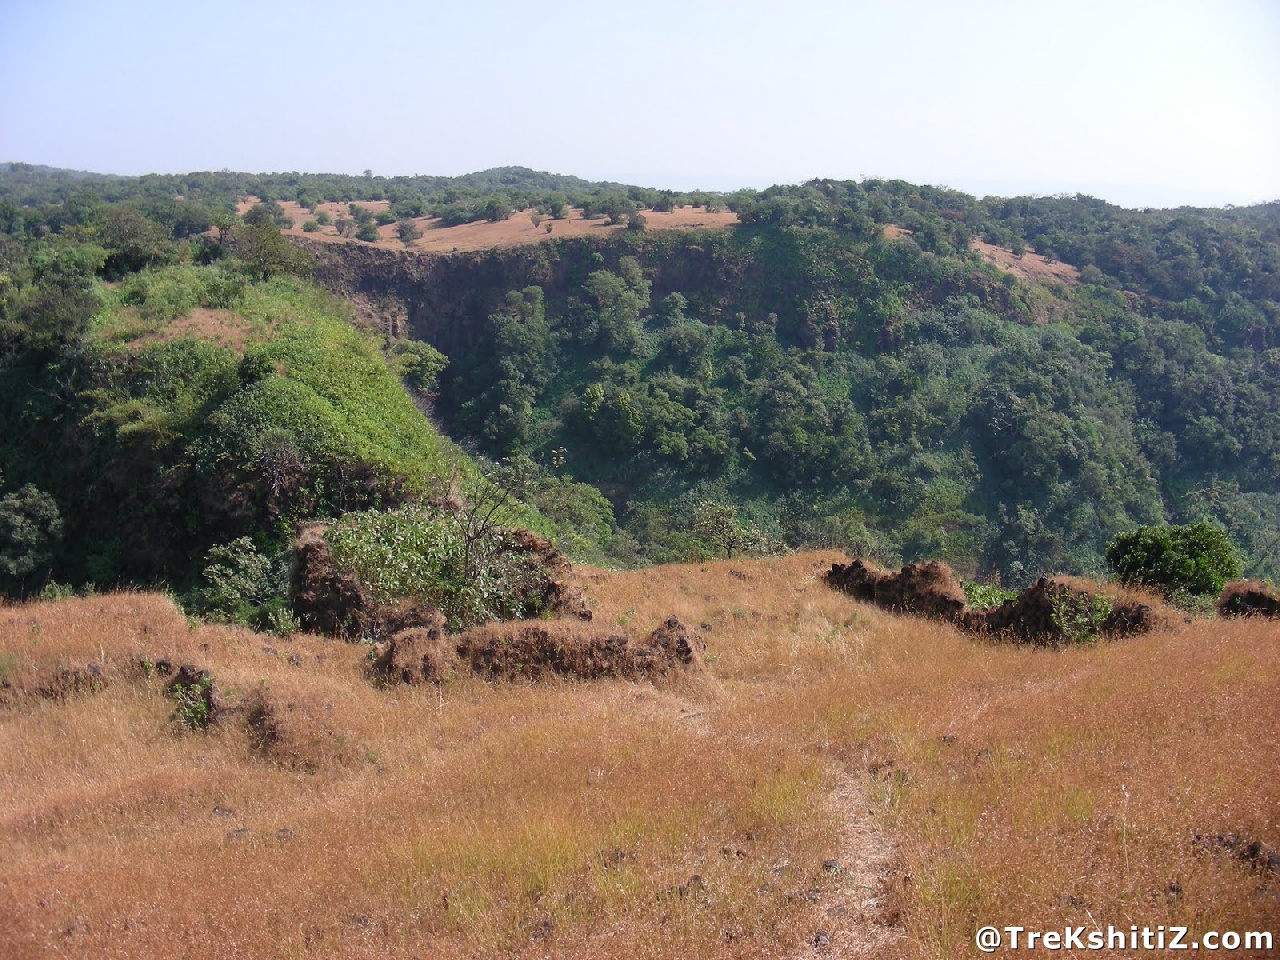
721	527
368	233
407	230
30	527
266	253
1195	559
496	209
132	241
267	213
417	364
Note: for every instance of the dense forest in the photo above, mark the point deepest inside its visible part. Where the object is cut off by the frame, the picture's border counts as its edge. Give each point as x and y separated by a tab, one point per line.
896	395
806	378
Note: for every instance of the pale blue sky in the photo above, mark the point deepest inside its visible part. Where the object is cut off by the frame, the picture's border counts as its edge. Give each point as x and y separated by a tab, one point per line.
1142	103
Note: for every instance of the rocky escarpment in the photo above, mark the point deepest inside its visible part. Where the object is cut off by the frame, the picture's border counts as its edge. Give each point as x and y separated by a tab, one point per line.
445	299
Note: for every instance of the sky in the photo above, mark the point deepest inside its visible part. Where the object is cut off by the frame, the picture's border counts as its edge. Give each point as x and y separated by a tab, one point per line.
1140	103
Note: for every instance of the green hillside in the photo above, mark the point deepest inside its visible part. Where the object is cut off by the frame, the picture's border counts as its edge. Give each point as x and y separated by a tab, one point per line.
842	369
835	383
138	449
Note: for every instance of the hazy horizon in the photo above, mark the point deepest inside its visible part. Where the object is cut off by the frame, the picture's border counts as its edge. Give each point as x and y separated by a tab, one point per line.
1139	103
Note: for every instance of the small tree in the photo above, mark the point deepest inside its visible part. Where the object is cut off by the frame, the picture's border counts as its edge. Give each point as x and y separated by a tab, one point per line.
30	527
265	252
1196	559
720	527
496	209
418	364
368	233
408	231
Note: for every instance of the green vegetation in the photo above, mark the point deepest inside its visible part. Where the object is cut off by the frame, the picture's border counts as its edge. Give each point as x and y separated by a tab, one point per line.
193	701
836	387
986	596
1180	561
1080	617
805	379
243	586
458	561
130	457
30	527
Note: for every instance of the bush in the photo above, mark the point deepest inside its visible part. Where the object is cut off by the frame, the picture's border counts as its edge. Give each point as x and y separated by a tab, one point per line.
457	561
417	363
1196	559
245	586
171	292
368	233
310	226
407	231
985	596
30	527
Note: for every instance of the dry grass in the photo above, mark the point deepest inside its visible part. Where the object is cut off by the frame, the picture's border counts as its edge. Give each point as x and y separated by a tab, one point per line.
1030	266
956	782
126	329
517	230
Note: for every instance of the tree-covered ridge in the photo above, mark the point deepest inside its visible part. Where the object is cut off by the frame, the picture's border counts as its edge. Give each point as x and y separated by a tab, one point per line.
841	387
807	378
135	452
38	200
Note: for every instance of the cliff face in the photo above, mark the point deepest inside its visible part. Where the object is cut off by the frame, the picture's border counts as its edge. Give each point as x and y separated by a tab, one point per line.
445	299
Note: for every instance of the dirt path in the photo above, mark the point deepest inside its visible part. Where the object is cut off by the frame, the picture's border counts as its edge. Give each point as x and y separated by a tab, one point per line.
857	920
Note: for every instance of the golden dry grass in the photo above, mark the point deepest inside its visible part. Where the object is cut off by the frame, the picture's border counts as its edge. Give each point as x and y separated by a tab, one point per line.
517	230
954	782
1030	266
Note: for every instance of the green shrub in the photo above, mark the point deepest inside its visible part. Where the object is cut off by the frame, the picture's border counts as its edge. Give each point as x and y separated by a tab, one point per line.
1196	559
310	226
245	586
1080	616
170	292
459	561
193	701
985	596
30	528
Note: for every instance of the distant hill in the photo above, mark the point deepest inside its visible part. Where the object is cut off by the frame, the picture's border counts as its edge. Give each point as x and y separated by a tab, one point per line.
896	369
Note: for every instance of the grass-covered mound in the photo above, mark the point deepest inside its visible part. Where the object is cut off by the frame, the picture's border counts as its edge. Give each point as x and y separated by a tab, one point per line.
203	417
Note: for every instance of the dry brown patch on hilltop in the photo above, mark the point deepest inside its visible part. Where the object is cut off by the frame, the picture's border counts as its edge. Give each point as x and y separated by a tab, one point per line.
1030	266
517	230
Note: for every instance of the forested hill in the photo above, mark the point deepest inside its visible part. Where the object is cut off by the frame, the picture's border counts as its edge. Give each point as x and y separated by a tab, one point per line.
845	367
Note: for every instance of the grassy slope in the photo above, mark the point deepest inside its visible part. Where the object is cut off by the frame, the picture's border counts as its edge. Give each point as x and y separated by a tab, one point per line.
331	385
1009	786
219	378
